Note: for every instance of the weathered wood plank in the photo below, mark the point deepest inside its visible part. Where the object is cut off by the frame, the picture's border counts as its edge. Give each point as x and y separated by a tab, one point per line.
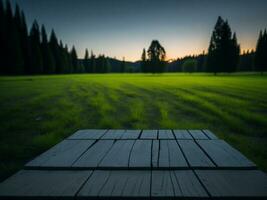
113	134
92	157
182	135
88	134
117	184
178	183
41	183
118	155
149	134
223	155
155	153
236	184
131	134
63	154
198	135
141	154
170	155
210	135
165	134
194	155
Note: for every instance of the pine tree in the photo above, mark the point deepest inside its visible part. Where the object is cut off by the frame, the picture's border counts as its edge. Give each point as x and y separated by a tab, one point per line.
48	59
223	50
261	53
54	46
144	61
86	61
14	51
25	44
3	39
35	42
74	60
92	63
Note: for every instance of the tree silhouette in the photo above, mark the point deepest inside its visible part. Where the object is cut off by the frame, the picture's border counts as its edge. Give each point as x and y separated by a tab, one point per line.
261	53
48	59
86	61
37	60
223	52
156	57
144	61
14	55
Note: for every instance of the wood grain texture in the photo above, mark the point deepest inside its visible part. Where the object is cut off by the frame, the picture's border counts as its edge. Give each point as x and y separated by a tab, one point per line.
113	134
165	134
194	155
198	135
88	134
178	183
223	155
149	134
210	135
182	135
131	134
234	183
141	154
63	154
41	183
170	155
118	155
92	157
117	184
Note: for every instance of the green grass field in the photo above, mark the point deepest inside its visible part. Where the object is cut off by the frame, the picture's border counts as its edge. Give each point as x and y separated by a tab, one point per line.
37	112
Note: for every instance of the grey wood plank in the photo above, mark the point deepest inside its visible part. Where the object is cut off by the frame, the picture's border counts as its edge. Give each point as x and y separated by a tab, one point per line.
149	134
210	135
194	155
198	135
63	154
117	184
88	134
182	135
155	153
165	134
223	155
41	183
176	183
118	155
170	155
141	154
113	134
237	184
131	134
93	156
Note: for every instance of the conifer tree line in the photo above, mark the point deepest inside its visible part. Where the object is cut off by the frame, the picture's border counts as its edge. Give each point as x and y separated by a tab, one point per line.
223	55
31	52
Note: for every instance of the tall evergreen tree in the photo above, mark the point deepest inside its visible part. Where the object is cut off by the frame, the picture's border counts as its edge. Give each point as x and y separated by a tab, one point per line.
14	55
223	50
92	63
25	45
55	51
36	53
3	44
86	63
74	60
48	59
261	53
144	61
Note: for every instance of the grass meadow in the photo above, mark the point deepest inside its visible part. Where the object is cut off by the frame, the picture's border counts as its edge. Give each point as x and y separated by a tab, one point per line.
37	112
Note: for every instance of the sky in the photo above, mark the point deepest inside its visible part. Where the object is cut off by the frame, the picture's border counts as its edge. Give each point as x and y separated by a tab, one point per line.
122	28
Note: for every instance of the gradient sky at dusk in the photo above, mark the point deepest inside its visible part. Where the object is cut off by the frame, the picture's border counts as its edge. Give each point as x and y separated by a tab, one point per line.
120	28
